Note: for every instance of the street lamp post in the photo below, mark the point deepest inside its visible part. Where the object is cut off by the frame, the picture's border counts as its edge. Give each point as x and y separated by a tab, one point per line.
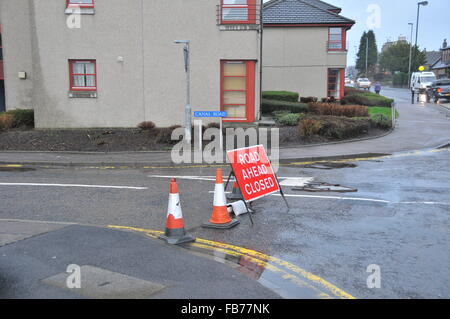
422	3
187	108
410	54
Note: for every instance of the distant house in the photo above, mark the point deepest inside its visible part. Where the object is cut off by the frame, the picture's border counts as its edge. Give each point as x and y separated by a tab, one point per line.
305	47
431	57
442	67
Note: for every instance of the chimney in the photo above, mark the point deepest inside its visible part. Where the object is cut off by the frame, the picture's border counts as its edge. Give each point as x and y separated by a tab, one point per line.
444	45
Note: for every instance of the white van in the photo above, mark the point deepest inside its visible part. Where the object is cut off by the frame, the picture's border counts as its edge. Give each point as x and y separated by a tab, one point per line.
422	81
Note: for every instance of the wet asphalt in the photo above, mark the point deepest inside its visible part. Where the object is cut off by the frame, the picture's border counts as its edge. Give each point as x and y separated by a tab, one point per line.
398	219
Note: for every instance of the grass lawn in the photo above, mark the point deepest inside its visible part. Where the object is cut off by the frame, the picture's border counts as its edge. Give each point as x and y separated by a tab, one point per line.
386	111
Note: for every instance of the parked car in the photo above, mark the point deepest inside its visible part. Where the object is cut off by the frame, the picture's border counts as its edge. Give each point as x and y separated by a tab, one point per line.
422	81
349	82
440	89
363	83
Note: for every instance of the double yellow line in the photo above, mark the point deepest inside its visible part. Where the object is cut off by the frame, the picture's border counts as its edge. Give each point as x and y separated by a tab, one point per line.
296	275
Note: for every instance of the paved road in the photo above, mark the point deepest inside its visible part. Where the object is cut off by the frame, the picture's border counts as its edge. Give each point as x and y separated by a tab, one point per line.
399	218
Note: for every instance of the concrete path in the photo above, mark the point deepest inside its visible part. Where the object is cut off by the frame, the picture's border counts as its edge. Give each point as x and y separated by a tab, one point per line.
418	127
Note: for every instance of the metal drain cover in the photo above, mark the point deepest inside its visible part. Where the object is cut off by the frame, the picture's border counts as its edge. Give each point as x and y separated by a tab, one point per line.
325	187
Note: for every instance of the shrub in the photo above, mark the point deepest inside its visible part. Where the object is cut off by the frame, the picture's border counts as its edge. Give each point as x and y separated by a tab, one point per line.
342	127
309	127
380	121
355	96
280	96
400	79
333	127
309	99
147	126
22	118
338	110
288	119
270	106
6	121
164	135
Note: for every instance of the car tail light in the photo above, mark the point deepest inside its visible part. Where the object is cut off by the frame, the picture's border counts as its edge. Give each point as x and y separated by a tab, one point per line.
439	90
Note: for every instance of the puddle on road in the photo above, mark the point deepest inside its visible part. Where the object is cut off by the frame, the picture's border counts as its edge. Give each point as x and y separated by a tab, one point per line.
278	276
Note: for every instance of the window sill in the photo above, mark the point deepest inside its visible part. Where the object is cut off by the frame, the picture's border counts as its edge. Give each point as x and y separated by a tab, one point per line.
238	27
83	94
337	51
89	11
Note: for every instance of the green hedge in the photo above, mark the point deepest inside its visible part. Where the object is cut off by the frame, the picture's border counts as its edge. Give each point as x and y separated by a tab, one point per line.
358	97
270	106
281	96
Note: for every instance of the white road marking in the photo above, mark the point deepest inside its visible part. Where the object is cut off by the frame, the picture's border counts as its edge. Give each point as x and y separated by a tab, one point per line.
284	181
196	178
336	197
73	185
296	181
424	203
299	182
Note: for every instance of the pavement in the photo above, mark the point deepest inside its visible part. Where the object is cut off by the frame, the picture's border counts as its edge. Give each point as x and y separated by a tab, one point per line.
34	257
433	121
107	222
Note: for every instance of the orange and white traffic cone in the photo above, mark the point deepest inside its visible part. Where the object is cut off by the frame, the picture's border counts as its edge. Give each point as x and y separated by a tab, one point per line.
220	218
175	233
236	193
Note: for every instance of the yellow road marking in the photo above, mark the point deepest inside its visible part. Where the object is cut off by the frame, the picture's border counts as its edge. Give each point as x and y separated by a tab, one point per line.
248	252
357	159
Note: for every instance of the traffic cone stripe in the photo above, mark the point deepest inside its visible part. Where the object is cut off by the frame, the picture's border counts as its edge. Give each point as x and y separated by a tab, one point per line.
173	223
219	196
220	215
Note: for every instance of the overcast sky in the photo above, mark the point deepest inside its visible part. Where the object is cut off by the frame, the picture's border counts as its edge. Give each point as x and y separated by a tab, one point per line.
434	24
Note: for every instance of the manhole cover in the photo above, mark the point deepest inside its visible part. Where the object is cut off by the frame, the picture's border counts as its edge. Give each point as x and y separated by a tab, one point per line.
330	165
325	187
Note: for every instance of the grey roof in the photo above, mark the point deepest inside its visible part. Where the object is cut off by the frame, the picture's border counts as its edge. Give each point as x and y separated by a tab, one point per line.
441	65
322	5
300	12
432	57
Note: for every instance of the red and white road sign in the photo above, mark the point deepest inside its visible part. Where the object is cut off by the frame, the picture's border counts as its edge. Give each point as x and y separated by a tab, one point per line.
253	172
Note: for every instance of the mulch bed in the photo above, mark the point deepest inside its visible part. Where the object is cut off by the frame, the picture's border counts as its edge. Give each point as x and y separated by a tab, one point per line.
87	140
120	140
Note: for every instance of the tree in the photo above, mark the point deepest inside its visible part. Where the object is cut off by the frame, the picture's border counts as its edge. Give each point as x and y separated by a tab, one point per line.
368	40
396	58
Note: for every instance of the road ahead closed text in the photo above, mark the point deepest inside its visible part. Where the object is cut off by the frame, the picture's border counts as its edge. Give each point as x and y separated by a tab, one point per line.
253	172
